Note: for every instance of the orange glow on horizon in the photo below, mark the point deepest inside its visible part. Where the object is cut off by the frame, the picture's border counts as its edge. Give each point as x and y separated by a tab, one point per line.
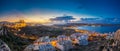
33	20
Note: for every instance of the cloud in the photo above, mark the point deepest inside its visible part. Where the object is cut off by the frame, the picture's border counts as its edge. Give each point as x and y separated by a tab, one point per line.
63	18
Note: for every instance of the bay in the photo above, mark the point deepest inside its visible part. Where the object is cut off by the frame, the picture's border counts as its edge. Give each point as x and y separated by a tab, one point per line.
100	29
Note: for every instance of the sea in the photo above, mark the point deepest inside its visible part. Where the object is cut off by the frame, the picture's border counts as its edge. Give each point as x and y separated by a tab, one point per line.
100	29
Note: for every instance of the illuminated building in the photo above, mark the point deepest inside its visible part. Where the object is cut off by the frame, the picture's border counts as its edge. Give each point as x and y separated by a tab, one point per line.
19	24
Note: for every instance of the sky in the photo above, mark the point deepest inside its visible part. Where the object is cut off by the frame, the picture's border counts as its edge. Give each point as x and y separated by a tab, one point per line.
41	10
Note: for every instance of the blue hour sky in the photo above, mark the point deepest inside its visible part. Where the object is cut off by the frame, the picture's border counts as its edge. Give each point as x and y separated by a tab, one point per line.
51	8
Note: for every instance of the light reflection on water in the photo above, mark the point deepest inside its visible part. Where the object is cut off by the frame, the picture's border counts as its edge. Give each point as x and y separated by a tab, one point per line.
101	29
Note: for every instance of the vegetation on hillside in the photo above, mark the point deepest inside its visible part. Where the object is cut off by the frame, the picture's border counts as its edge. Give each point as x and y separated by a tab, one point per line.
14	42
45	31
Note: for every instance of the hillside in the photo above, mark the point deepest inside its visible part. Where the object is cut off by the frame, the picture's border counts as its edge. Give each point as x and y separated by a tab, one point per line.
14	42
45	31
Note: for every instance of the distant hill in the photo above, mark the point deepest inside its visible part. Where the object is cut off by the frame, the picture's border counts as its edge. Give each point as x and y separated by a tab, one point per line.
45	31
100	20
